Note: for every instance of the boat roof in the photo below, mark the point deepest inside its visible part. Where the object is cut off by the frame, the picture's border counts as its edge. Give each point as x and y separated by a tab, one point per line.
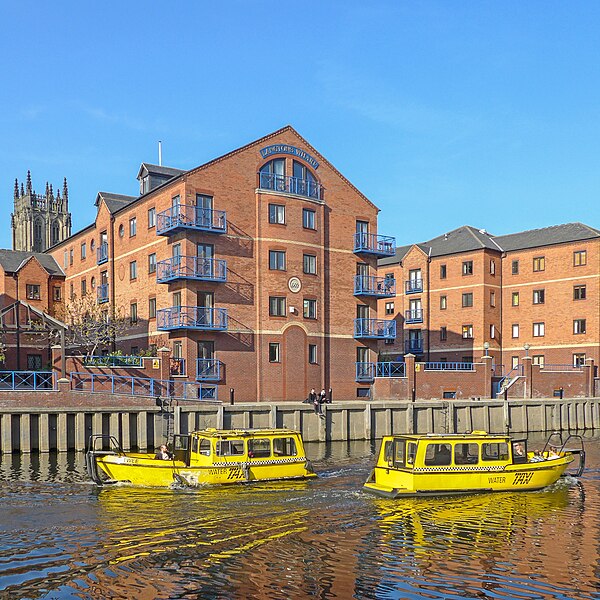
243	433
451	436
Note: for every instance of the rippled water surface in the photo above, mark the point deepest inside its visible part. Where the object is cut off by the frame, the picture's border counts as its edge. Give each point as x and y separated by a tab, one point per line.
61	537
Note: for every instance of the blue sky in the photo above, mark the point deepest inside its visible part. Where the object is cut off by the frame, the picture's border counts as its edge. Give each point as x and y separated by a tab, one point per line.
442	113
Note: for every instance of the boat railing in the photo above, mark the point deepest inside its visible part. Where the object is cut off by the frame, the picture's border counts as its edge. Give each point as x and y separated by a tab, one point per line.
573	444
100	444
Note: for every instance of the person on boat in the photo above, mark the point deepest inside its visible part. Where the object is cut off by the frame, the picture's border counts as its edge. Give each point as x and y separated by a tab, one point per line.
519	450
553	453
163	453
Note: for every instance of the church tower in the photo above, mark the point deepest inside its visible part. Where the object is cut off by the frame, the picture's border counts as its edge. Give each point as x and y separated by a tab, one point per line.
39	221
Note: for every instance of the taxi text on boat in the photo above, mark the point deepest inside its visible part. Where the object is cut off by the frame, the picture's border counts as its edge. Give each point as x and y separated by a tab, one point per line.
434	464
210	456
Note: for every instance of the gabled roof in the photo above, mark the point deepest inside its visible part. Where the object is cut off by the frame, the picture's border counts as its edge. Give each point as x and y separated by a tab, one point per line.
467	239
557	234
12	261
114	202
158	170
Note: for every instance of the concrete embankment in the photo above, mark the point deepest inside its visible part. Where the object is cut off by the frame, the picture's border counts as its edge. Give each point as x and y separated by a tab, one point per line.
46	429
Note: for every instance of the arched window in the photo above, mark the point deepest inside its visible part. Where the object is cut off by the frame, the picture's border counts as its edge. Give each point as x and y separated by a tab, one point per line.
272	175
37	236
55	232
303	182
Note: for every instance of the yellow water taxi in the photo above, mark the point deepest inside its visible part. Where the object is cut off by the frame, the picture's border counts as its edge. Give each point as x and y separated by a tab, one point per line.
210	456
436	464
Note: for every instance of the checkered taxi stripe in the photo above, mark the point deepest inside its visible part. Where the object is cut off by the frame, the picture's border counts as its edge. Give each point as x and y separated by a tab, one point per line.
466	468
257	463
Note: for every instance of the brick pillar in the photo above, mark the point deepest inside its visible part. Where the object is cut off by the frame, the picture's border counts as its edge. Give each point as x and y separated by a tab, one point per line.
164	354
55	358
409	359
527	372
588	371
487	376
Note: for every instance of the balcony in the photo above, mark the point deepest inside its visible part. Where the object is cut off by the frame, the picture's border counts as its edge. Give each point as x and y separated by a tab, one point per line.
185	216
102	293
414	315
413	286
102	254
208	369
378	287
290	185
375	329
191	267
191	317
414	346
367	371
371	243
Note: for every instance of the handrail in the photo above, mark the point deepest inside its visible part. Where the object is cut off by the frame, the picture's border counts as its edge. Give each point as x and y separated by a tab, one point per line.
448	366
191	267
559	368
190	216
26	380
375	286
113	360
290	185
375	328
373	243
390	369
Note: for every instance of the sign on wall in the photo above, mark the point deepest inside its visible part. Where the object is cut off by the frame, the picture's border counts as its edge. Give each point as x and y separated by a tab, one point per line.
286	149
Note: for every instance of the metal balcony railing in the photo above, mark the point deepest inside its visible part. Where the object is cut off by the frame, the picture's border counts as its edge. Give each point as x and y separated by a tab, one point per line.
112	360
413	346
378	329
414	316
185	216
379	287
26	380
390	369
102	293
102	254
208	369
448	366
371	243
290	185
365	371
191	267
191	317
413	286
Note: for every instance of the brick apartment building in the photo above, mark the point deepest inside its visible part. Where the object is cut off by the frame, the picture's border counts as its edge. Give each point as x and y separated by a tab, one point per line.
258	269
467	293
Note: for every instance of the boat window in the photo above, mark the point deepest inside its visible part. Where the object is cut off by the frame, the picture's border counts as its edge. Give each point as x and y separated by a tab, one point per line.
284	447
519	450
181	442
412	453
230	447
387	452
438	454
399	447
466	454
205	447
259	448
494	451
195	445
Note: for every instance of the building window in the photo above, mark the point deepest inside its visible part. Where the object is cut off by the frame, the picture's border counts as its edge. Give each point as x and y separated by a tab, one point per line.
579	258
93	283
132	226
467	332
33	291
515	298
83	287
308	218
312	354
310	264
133	269
133	314
152	308
277	306
492	267
539	264
579	292
443	272
277	214
274	354
492	332
152	263
579	360
310	308
83	251
71	256
56	296
443	334
492	299
514	362
539	296
539	330
515	267
72	291
121	230
538	359
65	259
467	299
443	302
515	330
389	308
277	260
467	267
151	217
578	326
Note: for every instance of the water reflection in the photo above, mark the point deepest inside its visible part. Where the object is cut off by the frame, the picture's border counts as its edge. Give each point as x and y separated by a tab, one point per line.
64	538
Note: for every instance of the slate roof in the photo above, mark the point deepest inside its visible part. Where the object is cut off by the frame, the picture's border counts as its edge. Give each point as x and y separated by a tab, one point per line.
159	170
114	202
12	260
467	239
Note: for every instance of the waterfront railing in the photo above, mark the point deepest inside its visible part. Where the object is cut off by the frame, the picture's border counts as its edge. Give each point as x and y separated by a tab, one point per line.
26	380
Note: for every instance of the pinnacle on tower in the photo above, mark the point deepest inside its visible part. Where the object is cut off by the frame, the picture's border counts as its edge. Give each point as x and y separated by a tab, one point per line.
16	188
65	190
28	187
47	190
22	189
51	197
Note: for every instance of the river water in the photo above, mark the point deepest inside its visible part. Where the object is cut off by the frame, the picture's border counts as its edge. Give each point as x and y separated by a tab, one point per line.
61	537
